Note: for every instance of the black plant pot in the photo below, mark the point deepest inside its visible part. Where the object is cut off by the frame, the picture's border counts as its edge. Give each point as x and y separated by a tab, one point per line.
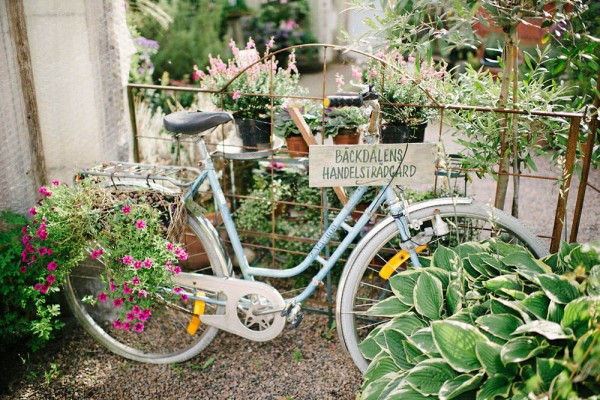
403	133
255	134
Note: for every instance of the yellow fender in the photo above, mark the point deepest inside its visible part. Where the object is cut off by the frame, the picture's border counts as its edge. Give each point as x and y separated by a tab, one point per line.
395	262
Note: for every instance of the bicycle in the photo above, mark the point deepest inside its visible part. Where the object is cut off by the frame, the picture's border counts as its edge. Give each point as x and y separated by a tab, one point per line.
253	309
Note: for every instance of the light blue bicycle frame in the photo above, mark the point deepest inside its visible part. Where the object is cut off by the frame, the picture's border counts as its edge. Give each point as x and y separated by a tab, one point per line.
249	272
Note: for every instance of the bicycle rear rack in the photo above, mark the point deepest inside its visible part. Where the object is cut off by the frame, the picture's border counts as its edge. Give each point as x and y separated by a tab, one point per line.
181	177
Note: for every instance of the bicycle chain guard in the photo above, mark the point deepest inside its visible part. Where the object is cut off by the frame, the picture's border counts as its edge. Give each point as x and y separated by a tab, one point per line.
247	309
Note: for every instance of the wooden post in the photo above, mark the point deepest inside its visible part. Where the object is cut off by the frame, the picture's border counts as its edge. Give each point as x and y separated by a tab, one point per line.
310	140
18	35
563	196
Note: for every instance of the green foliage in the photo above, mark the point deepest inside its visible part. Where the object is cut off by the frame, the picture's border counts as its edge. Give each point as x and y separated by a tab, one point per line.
195	32
348	118
26	317
285	126
485	321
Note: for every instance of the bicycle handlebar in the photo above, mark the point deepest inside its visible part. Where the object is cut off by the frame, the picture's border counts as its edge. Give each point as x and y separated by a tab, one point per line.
344	100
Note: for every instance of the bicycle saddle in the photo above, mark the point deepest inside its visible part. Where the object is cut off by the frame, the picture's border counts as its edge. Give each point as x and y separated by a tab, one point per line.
191	123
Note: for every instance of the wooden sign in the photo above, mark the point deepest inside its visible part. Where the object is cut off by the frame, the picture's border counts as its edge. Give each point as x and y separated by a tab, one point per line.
372	165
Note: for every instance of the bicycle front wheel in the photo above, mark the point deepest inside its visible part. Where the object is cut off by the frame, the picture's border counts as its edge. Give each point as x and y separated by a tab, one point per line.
165	338
361	286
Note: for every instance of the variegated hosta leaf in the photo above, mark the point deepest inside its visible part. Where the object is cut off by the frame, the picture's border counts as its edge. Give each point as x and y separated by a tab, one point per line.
500	325
456	342
521	349
429	296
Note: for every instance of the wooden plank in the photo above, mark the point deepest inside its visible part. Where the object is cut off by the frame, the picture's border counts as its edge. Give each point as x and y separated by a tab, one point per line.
311	141
372	164
18	34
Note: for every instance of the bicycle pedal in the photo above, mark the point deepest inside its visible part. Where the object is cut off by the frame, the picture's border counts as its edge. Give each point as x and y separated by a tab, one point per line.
297	320
294	314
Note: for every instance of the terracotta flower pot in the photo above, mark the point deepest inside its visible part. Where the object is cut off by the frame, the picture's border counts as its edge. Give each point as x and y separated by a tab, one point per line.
297	146
346	136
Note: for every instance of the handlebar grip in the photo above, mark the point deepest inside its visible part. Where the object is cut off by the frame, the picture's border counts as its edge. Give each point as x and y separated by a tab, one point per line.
345	100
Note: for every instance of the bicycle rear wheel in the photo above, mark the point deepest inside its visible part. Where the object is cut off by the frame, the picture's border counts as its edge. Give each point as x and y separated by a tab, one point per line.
361	286
165	338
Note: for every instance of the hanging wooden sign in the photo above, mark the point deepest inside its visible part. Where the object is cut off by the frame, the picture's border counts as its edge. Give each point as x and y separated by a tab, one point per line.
372	165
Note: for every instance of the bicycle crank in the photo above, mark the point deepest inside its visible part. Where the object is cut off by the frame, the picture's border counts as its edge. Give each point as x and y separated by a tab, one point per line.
252	309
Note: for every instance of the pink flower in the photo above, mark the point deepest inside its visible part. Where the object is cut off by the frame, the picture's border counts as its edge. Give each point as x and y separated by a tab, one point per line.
148	263
177	290
44	289
97	253
23	269
55	182
136	310
356	73
112	286
52	265
130	316
138	327
170	246
236	94
127	290
126	209
181	254
141	224
176	269
127	259
118	302
184	298
42	251
42	233
44	191
146	313
49	252
126	326
137	264
32	211
135	280
102	297
51	279
117	324
142	293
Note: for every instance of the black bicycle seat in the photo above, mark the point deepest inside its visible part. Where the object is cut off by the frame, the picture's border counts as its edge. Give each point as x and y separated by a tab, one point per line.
192	123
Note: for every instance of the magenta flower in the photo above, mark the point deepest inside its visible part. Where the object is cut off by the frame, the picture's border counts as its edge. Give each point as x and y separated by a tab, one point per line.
184	298
44	191
177	290
142	293
138	327
112	286
176	269
42	233
130	316
127	290
32	211
126	209
118	302
181	253
126	326
97	253
42	251
137	264
23	269
117	324
141	224
37	286
44	289
127	259
55	182
148	263
135	280
236	94
51	279
170	246
52	265
142	317
136	310
102	297
146	313
49	252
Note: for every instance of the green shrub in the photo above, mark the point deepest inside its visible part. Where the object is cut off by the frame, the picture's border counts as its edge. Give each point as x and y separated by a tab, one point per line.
26	316
487	321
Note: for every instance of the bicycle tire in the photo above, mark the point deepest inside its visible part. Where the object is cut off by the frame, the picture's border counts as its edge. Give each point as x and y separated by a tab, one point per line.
360	285
165	338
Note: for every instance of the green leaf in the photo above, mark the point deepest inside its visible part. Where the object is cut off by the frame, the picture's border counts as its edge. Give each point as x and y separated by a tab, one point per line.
558	288
550	330
390	307
503	306
428	376
407	324
526	265
521	349
578	313
500	325
429	297
537	304
456	343
423	340
461	384
380	366
405	392
372	389
488	354
402	285
593	281
395	347
443	275
496	386
369	347
510	282
547	369
483	268
454	298
555	312
447	259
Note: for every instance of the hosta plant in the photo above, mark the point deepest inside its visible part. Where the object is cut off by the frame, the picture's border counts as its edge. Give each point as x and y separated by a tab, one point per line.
486	321
126	230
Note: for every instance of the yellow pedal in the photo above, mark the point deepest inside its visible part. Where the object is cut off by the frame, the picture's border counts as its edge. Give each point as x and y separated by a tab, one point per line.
199	307
395	262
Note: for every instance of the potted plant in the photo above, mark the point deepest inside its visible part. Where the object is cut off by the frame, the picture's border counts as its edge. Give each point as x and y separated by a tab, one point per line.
285	127
400	82
342	124
250	95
